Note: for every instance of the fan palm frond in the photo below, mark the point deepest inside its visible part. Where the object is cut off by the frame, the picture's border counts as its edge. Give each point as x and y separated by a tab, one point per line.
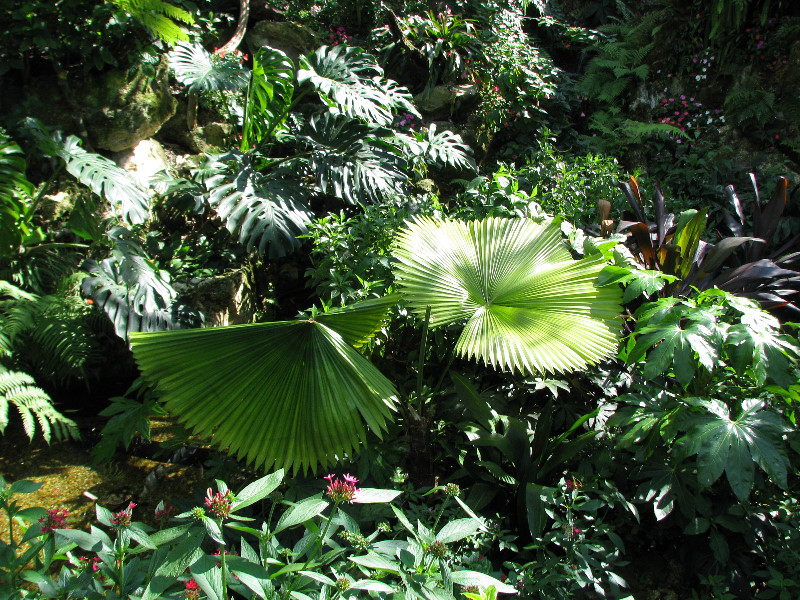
527	304
34	405
291	394
262	211
197	69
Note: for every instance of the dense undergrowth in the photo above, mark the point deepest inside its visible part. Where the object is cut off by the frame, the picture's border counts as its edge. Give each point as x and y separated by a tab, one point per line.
551	323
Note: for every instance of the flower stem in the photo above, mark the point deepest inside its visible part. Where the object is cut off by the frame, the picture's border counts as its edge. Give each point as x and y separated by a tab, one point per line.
311	556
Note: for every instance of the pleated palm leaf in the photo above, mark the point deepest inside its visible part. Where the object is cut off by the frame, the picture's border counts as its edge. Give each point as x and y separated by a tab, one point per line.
528	305
292	394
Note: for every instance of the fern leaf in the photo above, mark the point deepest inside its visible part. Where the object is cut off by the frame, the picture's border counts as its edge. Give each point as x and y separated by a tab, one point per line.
158	17
33	405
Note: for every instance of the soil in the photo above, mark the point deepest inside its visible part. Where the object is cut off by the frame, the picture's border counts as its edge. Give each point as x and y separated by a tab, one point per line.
70	480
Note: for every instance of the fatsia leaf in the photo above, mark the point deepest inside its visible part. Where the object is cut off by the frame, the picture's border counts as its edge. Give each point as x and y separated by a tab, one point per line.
265	213
732	445
291	394
527	304
197	69
672	337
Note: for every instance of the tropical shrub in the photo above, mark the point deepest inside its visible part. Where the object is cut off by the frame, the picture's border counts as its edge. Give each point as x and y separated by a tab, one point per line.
296	550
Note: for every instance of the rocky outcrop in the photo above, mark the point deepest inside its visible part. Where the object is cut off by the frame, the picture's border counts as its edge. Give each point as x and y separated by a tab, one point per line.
123	108
291	38
144	161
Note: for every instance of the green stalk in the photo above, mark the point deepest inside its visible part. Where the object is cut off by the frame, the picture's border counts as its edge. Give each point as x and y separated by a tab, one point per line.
222	562
423	346
441	511
317	547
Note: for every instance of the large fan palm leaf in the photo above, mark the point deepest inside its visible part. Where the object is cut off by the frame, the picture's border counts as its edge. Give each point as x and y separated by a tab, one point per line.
290	394
527	304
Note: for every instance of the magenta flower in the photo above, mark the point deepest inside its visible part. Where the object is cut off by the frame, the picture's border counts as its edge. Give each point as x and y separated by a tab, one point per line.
122	519
219	503
56	519
342	491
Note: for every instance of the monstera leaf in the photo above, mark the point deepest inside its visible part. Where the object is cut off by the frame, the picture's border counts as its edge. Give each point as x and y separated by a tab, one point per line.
130	288
527	304
292	394
350	160
349	79
264	212
197	69
269	96
98	173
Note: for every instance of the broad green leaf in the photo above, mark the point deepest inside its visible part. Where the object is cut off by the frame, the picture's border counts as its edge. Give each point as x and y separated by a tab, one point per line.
375	496
733	445
374	561
458	529
301	512
258	490
527	304
290	394
269	97
466	578
201	72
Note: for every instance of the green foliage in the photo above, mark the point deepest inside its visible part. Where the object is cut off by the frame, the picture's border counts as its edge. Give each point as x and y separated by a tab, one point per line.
412	560
261	211
34	406
16	214
502	276
269	97
308	395
96	172
749	104
128	418
159	18
130	288
203	72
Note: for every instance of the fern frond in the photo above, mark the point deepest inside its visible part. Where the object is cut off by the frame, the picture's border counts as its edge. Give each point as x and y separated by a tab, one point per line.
34	405
159	17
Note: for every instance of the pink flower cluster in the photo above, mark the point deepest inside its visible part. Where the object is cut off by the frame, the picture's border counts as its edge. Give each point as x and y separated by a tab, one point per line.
342	491
56	518
122	519
220	503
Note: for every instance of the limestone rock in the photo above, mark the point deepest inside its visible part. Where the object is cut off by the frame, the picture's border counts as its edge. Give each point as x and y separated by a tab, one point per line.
448	101
221	299
291	38
125	107
144	161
